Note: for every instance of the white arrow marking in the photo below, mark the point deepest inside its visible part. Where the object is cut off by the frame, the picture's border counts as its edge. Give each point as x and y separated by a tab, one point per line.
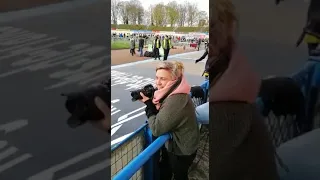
115	129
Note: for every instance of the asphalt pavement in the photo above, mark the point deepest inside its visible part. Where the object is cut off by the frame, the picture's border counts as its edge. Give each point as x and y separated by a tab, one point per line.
42	56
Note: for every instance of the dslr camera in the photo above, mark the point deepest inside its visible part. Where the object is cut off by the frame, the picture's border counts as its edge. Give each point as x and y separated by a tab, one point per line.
147	90
81	104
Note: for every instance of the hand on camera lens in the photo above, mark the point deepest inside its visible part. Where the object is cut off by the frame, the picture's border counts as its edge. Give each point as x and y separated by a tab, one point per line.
144	98
104	123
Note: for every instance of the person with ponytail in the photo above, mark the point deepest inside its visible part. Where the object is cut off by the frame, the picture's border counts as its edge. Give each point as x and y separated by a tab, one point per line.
171	110
240	144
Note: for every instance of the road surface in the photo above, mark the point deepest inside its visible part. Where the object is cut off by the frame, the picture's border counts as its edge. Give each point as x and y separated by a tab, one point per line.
43	54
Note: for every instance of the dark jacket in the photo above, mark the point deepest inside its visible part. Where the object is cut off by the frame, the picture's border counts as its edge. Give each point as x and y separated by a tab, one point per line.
209	60
314	9
240	144
141	42
313	15
177	116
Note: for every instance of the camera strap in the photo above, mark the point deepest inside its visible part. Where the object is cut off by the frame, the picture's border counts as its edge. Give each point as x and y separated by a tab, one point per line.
175	85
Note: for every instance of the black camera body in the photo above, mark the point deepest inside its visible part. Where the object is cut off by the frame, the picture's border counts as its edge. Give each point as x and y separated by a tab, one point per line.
147	90
82	107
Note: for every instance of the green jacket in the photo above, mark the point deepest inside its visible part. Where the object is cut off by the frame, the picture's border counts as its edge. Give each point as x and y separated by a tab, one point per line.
177	116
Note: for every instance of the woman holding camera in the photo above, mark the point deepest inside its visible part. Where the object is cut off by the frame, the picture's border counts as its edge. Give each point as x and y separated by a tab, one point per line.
172	111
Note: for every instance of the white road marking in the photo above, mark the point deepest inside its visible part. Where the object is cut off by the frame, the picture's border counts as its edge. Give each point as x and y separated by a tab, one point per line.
88	171
14	162
120	139
26	45
115	112
49	173
9	152
38	53
128	119
13	126
131	81
115	129
115	100
123	117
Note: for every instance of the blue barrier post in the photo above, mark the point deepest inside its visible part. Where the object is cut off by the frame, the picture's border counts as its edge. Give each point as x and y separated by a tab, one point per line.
129	170
205	88
313	95
305	78
148	167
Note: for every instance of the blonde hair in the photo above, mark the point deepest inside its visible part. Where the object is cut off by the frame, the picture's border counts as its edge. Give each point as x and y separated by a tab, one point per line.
176	68
222	23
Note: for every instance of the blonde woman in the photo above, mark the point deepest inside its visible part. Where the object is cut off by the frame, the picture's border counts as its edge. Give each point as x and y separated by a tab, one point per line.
240	146
172	111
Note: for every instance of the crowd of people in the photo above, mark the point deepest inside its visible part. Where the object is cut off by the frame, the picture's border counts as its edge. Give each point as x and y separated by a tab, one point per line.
165	42
175	38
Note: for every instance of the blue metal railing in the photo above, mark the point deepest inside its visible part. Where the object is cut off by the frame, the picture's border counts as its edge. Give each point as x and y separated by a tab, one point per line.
115	147
142	158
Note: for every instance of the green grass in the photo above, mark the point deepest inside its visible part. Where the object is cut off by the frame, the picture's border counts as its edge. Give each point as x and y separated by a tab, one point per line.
158	28
121	44
116	45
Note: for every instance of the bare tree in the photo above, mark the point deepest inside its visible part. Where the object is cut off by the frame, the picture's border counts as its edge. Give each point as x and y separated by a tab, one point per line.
114	11
159	14
131	12
192	10
123	11
182	14
140	14
148	16
135	11
202	18
172	10
151	15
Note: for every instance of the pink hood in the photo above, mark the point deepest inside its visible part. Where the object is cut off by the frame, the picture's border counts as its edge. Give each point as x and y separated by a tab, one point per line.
183	88
238	83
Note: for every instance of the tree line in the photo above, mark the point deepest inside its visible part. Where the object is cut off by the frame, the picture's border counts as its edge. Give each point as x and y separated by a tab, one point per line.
186	14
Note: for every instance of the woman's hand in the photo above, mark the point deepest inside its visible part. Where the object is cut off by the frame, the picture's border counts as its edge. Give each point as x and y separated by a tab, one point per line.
144	98
105	123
